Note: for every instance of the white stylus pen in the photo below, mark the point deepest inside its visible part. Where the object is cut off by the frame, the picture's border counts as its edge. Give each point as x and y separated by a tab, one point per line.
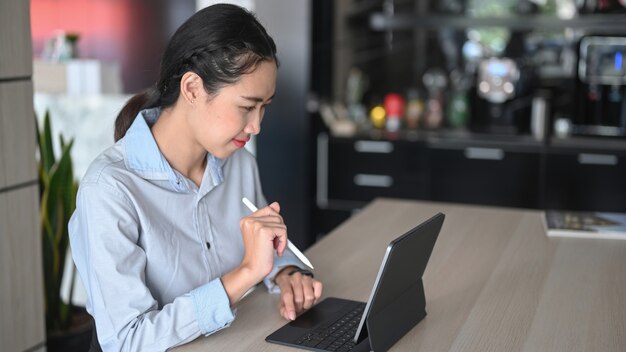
290	245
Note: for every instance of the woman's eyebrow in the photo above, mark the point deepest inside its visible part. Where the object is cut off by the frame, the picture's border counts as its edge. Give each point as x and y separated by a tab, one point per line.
257	99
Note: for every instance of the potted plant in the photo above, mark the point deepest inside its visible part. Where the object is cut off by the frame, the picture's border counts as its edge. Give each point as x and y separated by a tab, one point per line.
65	324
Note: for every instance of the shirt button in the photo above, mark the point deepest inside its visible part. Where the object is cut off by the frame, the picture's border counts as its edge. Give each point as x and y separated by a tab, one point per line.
208	246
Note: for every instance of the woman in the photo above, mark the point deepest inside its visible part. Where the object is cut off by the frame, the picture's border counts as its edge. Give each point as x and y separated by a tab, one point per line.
160	236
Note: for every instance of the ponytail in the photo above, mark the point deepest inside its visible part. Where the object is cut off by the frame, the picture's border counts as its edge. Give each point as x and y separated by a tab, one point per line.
144	100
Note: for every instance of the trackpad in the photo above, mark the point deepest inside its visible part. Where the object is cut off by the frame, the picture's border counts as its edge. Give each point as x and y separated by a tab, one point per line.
324	310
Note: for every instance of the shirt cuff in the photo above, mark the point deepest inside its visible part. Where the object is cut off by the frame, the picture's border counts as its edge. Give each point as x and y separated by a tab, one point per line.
212	307
288	259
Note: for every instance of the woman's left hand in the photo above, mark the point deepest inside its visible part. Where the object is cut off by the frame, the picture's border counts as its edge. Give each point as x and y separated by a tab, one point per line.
298	292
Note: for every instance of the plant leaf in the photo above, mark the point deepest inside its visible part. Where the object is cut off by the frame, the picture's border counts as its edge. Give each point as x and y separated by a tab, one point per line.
46	149
58	200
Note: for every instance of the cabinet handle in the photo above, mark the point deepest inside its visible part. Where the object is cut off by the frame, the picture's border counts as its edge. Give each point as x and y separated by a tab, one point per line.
369	180
381	147
484	153
597	159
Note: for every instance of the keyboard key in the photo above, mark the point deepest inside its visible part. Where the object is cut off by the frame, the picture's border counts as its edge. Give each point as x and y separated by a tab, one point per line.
337	335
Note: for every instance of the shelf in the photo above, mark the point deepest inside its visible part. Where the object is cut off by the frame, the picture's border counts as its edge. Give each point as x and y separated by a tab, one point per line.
444	138
613	23
452	140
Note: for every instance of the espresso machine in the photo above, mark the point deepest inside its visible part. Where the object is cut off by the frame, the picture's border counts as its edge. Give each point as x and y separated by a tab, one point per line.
497	88
602	86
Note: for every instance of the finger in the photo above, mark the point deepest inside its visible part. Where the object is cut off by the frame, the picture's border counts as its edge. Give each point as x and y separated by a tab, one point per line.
266	214
317	290
268	210
269	219
298	291
275	206
283	311
277	233
273	228
268	229
309	292
287	309
280	243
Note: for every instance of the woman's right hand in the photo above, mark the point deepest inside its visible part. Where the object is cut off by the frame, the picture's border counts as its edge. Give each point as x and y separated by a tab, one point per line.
263	232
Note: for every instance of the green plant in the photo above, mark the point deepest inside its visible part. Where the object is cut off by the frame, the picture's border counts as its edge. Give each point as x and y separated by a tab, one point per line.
57	189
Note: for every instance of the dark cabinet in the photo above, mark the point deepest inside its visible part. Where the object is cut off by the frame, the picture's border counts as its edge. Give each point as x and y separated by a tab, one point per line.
361	170
354	171
575	174
586	179
486	175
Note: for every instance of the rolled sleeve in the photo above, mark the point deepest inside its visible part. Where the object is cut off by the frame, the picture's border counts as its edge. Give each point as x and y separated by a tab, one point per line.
212	307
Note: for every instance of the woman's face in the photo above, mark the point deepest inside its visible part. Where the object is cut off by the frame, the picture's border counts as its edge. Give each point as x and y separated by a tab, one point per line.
224	122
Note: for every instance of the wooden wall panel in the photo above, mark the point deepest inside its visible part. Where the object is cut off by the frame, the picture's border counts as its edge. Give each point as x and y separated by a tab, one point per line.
17	134
22	322
15	42
21	299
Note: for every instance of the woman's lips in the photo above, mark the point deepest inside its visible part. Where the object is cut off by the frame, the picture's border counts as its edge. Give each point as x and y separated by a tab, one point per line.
240	143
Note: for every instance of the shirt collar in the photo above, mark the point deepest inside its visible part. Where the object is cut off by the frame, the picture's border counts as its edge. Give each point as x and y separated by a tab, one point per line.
144	157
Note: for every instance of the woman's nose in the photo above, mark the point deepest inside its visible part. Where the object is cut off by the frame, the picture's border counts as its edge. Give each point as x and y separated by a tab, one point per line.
254	125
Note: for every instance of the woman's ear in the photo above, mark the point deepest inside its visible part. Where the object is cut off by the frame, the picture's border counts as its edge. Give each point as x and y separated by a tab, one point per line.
191	87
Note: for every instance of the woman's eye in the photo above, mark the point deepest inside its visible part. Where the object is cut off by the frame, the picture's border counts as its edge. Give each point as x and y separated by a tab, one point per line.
248	108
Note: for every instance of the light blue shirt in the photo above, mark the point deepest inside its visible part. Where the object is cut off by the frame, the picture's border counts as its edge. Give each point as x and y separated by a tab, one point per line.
150	246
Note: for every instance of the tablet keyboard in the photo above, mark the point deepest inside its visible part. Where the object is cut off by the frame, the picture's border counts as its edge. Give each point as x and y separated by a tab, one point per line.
337	335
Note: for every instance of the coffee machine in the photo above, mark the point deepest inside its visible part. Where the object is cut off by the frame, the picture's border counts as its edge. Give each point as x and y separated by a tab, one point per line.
500	102
602	86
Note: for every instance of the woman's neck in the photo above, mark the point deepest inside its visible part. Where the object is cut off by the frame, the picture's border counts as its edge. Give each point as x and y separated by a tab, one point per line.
175	140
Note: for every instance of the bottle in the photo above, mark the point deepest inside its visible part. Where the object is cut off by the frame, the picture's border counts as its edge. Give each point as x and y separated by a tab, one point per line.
435	81
394	109
539	116
414	109
457	111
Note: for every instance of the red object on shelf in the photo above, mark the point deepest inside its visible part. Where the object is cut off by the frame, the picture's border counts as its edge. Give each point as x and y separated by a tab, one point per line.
394	105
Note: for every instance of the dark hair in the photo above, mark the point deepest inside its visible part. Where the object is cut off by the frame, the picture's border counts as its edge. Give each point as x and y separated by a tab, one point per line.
219	43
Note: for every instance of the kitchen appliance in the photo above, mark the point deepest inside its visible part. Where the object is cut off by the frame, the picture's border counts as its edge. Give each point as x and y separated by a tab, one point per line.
497	83
602	86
